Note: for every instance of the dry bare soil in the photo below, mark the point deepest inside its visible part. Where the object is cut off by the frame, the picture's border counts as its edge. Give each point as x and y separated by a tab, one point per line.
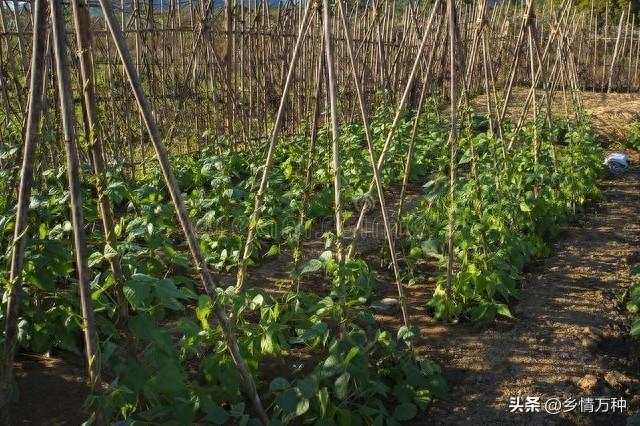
570	336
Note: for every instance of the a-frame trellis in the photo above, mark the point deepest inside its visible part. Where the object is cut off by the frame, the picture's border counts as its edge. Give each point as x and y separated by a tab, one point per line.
563	72
26	179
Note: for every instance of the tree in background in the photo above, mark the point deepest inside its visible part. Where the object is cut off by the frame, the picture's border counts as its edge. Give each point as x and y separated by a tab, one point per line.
614	7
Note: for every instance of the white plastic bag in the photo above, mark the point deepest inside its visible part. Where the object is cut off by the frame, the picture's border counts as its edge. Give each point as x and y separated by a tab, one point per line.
617	162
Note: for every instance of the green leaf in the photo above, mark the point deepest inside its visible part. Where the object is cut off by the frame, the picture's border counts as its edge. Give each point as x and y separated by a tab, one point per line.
237	410
23	330
405	333
137	290
203	311
317	329
168	294
39	276
266	344
331	366
257	301
342	385
215	414
302	407
95	259
43	231
504	310
110	252
345	417
323	400
314	265
635	328
353	352
404	412
279	384
273	250
308	387
288	401
143	327
525	207
307	224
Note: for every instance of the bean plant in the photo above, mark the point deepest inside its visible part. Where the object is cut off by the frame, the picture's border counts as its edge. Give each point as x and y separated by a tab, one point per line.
167	362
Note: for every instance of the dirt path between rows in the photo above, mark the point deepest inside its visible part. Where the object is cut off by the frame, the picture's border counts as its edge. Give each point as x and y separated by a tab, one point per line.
569	338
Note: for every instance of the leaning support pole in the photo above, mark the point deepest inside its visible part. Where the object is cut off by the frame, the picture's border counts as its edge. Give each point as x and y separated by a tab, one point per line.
83	37
36	85
532	69
376	172
312	144
73	172
516	58
414	131
615	53
453	136
335	148
178	202
394	125
253	222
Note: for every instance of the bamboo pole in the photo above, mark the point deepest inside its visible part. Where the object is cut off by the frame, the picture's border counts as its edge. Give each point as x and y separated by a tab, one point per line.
320	75
394	124
253	221
336	164
376	172
453	135
65	97
615	53
24	195
83	38
181	211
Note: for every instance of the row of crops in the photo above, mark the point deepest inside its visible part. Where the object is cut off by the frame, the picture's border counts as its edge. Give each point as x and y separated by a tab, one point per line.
315	358
631	297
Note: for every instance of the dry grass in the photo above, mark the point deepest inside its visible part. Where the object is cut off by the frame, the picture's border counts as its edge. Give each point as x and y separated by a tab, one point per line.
610	114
